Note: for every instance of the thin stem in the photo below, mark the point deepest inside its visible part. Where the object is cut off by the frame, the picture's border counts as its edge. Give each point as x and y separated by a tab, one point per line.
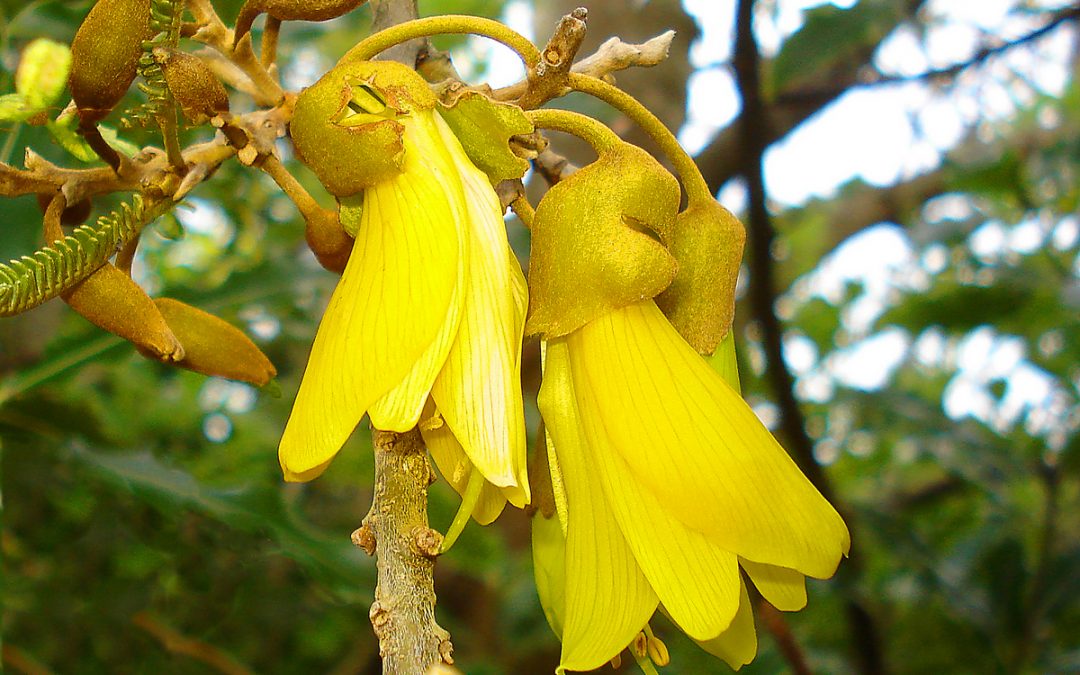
175	154
99	145
465	511
524	210
372	45
696	188
595	133
268	48
9	143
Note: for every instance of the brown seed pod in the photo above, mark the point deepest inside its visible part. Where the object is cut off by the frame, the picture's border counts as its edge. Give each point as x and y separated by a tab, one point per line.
215	347
110	300
291	10
76	214
194	86
105	55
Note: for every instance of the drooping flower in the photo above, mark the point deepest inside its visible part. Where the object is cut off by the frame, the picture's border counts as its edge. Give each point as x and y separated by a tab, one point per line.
430	308
667	486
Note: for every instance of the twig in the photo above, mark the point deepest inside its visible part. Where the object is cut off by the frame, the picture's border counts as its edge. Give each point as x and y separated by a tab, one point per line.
755	139
177	643
21	662
212	32
548	79
785	640
804	96
403	614
268	48
612	56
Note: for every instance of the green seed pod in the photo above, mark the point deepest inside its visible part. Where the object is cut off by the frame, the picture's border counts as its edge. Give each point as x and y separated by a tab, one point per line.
291	10
110	300
345	125
214	347
105	54
707	240
594	241
194	86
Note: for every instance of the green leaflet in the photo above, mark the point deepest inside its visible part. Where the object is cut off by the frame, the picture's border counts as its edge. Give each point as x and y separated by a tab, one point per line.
165	19
50	271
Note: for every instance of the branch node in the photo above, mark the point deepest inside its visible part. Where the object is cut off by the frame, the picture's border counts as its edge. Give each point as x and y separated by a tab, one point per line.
363	537
426	541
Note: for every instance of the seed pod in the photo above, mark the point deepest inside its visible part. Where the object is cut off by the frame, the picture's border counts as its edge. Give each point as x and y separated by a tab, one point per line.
291	10
110	300
215	347
105	54
76	214
194	86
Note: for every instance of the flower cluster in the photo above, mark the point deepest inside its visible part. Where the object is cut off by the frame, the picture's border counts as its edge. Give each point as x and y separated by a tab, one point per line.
662	488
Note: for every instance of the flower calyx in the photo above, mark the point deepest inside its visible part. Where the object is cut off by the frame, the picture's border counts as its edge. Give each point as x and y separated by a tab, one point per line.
485	128
707	241
348	126
596	240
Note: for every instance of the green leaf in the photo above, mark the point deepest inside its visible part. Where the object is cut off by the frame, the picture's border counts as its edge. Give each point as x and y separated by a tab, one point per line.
63	132
43	72
484	128
16	108
829	36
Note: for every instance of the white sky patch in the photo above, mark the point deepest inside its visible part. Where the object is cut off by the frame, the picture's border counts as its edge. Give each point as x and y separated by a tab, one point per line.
868	364
712	103
503	66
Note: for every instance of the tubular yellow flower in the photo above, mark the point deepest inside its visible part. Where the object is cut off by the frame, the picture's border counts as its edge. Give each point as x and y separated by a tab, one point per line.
430	306
671	486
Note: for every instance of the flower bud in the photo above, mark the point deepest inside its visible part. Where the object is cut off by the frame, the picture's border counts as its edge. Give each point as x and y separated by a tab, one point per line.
110	300
707	241
194	86
105	55
291	10
214	347
345	126
595	243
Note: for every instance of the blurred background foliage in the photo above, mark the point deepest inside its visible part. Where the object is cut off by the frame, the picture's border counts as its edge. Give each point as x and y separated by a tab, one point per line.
917	350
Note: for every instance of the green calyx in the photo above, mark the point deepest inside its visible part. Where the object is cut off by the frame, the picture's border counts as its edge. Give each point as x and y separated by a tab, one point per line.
348	126
485	128
595	244
707	241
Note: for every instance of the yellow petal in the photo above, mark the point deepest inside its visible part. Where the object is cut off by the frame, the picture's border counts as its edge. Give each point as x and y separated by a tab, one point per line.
784	589
697	581
738	644
549	569
400	408
478	391
698	447
608	599
455	467
388	307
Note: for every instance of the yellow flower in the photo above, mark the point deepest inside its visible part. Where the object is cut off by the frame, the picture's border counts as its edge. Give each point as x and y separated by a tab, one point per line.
669	485
431	305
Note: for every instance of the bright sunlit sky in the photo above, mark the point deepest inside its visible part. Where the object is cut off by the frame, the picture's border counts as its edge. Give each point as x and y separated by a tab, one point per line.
880	135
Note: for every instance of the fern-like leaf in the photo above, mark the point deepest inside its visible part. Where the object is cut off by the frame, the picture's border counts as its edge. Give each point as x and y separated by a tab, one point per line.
50	271
166	17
